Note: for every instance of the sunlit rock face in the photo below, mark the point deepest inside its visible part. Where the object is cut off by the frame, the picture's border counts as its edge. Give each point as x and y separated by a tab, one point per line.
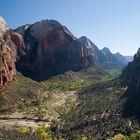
7	65
3	26
94	54
7	56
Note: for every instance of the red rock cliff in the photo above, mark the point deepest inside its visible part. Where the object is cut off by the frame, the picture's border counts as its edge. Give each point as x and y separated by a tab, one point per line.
7	56
50	48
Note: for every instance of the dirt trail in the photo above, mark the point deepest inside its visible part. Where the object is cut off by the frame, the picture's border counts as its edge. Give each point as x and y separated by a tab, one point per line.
21	122
58	99
21	119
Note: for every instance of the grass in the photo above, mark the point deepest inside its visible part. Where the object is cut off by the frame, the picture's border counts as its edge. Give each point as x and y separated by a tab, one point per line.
99	111
111	75
65	86
81	112
14	134
70	81
20	91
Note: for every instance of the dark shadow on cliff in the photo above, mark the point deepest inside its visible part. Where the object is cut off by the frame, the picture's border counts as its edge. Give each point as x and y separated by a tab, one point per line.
45	74
131	108
131	78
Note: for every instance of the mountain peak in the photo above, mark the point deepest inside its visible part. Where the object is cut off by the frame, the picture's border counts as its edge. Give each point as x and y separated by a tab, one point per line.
118	53
3	25
83	38
106	50
86	41
138	53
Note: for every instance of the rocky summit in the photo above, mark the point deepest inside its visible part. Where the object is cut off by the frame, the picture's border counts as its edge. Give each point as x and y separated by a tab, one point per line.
3	26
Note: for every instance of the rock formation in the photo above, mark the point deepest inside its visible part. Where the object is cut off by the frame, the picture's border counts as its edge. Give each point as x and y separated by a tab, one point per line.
131	79
50	48
122	59
131	73
7	56
7	65
103	57
113	60
3	26
47	48
129	58
96	56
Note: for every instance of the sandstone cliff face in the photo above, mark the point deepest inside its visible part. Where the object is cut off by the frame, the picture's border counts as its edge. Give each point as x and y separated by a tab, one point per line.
96	56
3	26
102	57
17	43
7	56
50	48
7	65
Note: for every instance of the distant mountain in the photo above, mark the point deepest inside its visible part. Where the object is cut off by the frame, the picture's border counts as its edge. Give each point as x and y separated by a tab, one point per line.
129	58
121	58
3	26
113	60
96	55
103	57
106	51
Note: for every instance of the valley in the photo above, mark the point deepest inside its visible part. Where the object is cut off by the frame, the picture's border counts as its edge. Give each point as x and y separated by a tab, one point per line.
78	98
55	86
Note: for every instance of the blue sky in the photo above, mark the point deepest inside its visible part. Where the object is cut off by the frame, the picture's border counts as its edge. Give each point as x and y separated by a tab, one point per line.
108	23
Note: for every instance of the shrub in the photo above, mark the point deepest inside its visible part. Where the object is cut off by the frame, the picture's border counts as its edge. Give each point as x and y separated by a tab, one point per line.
84	138
43	132
119	137
25	130
135	136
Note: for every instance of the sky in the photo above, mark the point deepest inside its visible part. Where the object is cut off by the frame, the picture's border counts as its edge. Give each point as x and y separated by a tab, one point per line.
108	23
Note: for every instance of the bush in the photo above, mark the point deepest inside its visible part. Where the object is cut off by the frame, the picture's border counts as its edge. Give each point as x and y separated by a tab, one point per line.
135	136
14	134
25	130
43	132
119	137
